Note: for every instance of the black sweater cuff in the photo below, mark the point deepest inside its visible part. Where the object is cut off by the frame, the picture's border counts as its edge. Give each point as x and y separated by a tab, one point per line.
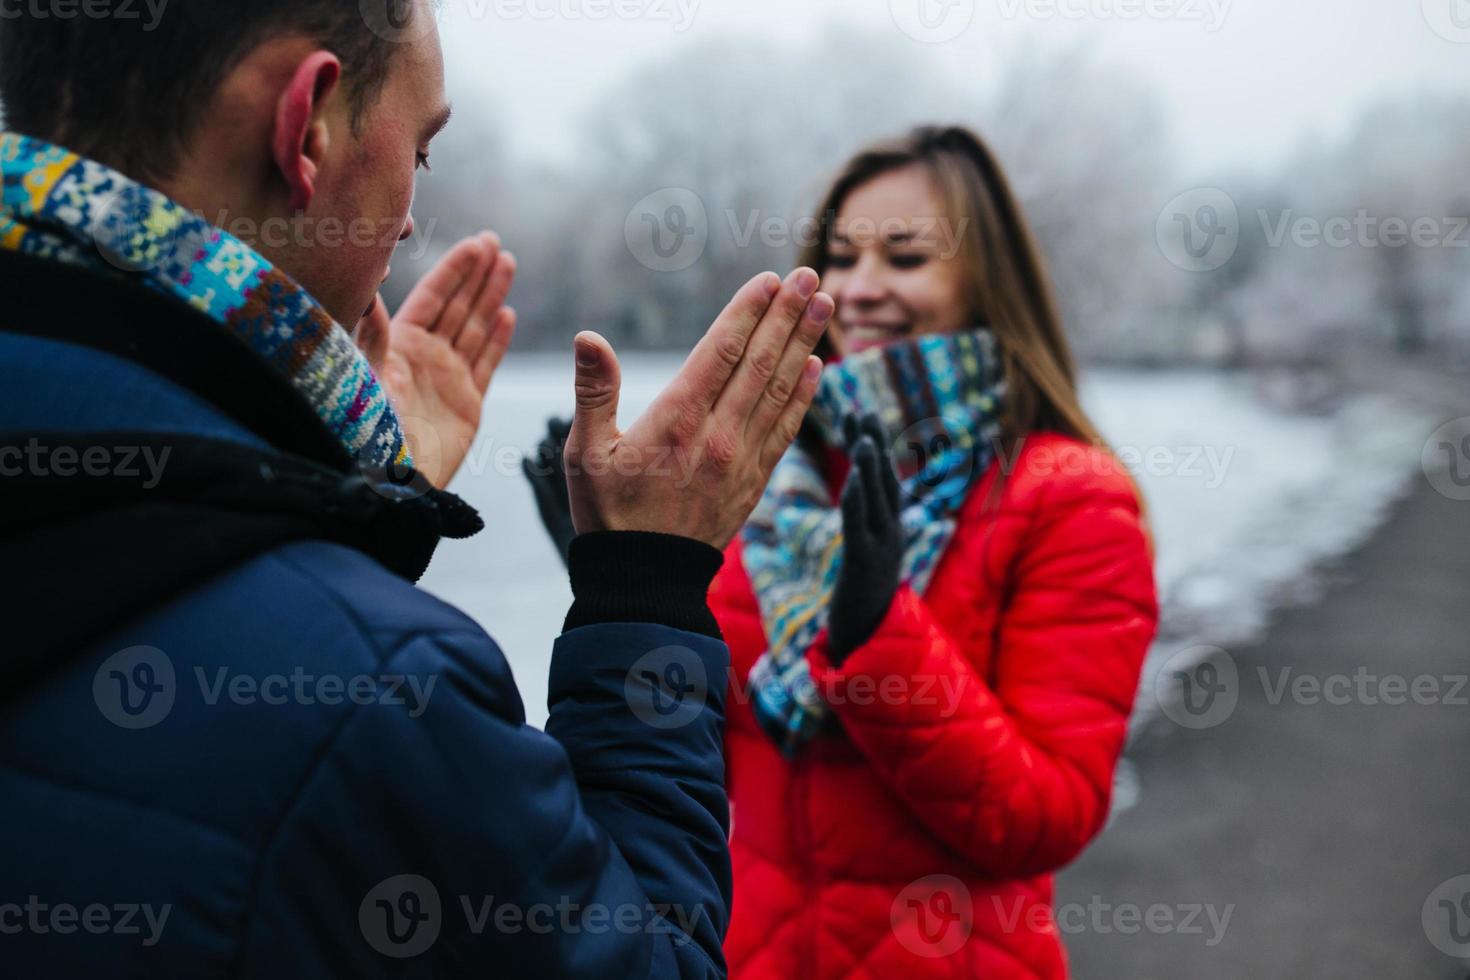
641	577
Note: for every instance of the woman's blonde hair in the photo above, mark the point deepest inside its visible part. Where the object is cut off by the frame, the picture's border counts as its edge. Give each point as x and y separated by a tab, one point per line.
1005	276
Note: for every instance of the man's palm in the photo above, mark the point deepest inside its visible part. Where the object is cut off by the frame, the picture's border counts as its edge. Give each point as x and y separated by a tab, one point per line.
437	356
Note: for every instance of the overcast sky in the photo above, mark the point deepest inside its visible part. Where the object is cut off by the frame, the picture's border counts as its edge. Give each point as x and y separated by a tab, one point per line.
1244	80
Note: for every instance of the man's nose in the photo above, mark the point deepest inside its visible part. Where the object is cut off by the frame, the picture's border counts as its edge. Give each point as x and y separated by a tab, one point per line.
407	232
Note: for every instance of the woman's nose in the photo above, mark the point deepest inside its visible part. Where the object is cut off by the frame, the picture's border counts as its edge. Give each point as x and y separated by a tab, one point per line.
407	232
865	285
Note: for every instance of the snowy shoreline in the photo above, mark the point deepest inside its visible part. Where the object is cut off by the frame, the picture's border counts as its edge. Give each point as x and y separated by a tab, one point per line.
1299	492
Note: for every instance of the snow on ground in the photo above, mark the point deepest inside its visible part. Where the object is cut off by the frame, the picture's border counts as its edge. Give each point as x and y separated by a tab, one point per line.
1245	500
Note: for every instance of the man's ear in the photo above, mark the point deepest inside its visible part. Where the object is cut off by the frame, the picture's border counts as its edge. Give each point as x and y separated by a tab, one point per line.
301	136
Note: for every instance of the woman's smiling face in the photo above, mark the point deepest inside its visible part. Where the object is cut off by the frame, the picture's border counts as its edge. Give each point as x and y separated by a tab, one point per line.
894	263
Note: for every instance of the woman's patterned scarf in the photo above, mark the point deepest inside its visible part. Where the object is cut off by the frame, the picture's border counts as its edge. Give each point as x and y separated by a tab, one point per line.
939	399
61	206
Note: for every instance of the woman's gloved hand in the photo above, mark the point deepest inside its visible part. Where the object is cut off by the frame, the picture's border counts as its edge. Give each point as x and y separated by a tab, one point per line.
548	477
872	549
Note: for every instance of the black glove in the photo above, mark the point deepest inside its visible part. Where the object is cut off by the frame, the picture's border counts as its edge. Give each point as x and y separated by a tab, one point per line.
548	477
872	546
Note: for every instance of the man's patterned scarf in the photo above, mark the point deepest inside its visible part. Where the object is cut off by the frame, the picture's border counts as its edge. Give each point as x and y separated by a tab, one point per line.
58	205
939	400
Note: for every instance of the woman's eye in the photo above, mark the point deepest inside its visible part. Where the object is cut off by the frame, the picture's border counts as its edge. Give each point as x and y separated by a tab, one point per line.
908	261
423	163
842	261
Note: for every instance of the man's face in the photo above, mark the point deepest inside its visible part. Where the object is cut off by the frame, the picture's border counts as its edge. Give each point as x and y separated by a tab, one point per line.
366	183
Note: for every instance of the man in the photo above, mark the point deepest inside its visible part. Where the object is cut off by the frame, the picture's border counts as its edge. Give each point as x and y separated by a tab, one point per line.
234	739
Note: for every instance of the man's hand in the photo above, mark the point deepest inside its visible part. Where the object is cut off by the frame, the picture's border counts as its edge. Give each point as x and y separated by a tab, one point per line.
872	540
696	462
436	357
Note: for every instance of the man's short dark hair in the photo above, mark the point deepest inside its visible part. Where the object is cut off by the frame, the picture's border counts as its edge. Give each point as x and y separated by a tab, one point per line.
130	95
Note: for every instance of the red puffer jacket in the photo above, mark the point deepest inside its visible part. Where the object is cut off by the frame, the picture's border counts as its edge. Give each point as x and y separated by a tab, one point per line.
982	726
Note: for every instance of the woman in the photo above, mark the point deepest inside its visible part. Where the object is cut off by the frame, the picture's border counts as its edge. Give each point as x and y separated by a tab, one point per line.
905	783
933	668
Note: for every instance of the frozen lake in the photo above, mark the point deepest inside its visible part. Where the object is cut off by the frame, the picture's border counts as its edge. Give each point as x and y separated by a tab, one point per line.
1244	499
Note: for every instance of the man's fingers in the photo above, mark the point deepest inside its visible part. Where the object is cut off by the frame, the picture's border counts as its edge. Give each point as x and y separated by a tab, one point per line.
714	359
456	315
487	362
488	305
496	288
799	346
598	382
428	300
784	432
758	366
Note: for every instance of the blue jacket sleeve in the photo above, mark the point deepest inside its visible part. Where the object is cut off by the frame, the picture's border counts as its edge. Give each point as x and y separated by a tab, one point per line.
444	836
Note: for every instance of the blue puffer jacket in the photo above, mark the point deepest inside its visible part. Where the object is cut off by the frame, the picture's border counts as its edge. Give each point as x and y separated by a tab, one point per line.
306	767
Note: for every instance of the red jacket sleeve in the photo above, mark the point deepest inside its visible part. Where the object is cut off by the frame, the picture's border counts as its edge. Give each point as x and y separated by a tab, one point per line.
1015	775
